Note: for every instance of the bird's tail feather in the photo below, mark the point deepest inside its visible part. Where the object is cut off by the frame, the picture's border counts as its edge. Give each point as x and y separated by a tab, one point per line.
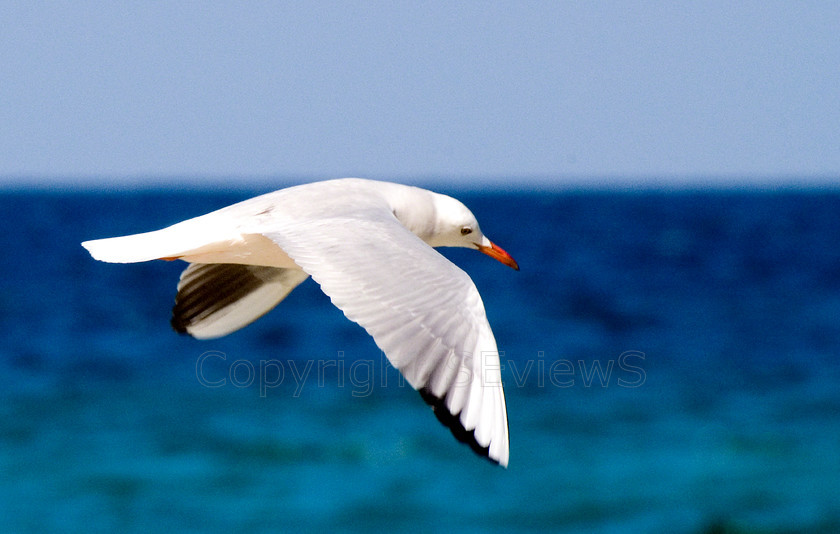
169	243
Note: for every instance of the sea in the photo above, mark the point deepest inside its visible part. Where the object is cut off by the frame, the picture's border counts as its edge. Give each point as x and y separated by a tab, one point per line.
671	361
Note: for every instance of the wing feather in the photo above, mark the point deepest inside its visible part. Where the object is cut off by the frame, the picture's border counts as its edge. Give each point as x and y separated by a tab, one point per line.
423	312
215	299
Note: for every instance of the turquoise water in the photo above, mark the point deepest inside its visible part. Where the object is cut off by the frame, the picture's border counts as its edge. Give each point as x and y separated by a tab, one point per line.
671	364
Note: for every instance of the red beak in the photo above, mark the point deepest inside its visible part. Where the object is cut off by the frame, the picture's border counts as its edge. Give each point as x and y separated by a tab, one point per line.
498	253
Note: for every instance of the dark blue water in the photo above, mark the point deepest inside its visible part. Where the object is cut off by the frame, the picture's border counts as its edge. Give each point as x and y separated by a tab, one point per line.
671	365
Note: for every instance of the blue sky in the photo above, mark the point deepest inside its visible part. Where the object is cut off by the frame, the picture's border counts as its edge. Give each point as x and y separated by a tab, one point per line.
566	92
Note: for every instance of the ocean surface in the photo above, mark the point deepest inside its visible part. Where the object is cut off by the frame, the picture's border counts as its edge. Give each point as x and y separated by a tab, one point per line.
671	364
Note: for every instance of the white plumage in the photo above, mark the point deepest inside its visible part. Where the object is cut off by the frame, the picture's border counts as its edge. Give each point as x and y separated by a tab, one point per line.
369	246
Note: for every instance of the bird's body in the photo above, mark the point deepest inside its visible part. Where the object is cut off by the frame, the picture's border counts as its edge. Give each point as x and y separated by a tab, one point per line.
368	244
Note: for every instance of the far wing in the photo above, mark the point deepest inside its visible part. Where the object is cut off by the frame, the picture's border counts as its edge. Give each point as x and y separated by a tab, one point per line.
423	312
215	299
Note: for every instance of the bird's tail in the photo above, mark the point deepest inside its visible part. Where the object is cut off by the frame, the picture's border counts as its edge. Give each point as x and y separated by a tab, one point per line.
169	243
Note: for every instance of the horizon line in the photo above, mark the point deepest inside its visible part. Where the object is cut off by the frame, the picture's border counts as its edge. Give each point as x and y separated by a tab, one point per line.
498	182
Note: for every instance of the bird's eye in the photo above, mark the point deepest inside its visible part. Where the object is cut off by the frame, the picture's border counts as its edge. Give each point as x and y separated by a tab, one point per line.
466	230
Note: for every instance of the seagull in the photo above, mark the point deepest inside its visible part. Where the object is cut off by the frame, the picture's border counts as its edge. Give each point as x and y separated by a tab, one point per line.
369	245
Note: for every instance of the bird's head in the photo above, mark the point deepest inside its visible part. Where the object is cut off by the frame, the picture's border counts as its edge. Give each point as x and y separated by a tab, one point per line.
456	226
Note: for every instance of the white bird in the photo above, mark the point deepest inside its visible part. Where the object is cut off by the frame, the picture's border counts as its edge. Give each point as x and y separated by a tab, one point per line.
368	244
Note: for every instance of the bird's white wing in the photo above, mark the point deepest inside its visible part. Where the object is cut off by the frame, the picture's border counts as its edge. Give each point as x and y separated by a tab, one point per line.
423	312
215	299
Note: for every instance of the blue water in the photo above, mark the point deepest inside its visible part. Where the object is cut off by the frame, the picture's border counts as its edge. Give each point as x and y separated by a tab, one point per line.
671	365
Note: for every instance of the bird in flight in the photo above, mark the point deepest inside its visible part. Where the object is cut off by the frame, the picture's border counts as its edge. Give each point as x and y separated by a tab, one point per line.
369	245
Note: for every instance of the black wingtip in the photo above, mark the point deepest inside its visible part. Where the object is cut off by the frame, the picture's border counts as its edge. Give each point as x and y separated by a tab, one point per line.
453	423
209	288
178	324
